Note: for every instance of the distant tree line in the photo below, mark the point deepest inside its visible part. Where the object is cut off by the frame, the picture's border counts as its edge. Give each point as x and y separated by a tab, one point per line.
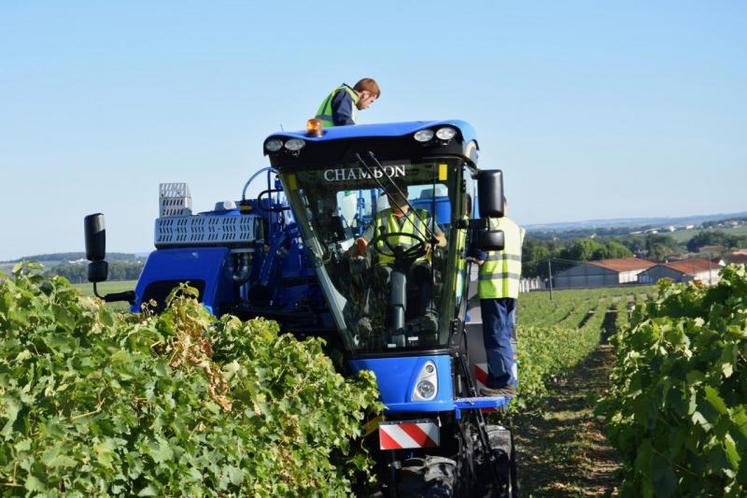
655	247
716	238
118	270
73	256
566	253
581	233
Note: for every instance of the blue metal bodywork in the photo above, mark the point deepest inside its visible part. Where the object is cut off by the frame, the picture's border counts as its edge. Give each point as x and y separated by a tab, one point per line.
397	377
203	264
279	267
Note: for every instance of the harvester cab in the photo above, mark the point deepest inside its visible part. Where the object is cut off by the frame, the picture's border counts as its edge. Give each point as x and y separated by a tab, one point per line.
387	214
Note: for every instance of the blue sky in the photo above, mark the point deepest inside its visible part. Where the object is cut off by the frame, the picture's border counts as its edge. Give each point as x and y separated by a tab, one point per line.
592	109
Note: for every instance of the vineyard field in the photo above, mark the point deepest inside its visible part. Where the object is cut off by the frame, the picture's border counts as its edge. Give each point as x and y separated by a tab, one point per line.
555	335
99	403
677	408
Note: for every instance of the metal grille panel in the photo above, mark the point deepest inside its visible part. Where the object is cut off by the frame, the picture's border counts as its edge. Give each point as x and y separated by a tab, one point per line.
174	199
207	230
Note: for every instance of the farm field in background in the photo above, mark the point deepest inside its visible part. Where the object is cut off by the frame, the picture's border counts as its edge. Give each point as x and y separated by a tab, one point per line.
682	236
107	287
569	307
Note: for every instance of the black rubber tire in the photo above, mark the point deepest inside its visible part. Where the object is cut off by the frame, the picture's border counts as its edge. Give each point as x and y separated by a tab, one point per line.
428	477
514	471
501	442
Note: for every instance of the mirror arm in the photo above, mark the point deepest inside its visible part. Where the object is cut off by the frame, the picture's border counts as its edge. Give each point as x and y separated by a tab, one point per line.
114	297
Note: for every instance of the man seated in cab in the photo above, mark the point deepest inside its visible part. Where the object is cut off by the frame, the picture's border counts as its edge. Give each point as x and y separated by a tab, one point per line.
413	226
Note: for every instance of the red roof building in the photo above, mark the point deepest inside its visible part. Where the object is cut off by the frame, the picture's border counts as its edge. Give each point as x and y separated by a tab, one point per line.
602	273
688	270
737	257
623	264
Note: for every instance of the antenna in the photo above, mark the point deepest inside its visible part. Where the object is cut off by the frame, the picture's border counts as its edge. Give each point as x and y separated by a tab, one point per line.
281	127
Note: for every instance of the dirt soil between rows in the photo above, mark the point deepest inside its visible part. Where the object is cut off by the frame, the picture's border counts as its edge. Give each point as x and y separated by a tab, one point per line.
561	449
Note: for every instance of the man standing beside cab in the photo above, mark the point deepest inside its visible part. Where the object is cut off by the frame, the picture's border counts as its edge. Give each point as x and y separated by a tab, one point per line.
338	109
498	289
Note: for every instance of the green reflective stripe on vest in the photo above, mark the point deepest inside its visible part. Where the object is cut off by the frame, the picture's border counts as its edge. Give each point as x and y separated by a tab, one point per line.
324	113
500	272
388	223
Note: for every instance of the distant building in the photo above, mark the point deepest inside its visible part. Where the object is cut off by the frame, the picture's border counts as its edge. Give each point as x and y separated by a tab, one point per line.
687	270
602	273
738	257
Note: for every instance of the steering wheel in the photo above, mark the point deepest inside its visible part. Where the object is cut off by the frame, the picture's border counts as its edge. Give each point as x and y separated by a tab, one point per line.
418	250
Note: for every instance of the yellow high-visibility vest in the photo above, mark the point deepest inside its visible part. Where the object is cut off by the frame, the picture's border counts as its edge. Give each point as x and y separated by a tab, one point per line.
461	246
324	114
387	222
501	272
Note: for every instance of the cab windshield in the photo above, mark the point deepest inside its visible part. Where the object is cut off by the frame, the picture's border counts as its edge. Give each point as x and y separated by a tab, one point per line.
385	249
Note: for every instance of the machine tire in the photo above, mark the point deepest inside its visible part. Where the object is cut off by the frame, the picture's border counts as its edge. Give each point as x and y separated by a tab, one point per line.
502	443
428	477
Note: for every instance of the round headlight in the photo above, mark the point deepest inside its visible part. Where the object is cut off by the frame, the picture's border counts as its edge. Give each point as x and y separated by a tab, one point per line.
274	145
429	368
423	135
294	144
446	133
426	389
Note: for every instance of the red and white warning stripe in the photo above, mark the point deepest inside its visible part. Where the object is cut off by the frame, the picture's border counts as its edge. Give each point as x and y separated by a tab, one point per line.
407	435
481	375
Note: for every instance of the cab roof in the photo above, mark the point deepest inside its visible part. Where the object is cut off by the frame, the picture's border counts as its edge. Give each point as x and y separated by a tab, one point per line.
389	141
382	130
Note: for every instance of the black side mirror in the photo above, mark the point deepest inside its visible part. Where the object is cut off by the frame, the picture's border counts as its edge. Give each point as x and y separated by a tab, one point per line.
490	193
95	232
490	240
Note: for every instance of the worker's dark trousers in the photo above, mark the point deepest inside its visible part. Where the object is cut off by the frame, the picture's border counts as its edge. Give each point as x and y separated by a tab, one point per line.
497	326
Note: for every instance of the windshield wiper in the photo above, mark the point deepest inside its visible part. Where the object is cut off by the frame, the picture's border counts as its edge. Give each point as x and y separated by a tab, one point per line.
429	235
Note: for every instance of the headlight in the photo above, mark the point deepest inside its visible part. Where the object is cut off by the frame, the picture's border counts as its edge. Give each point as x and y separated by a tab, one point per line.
446	133
294	144
423	136
426	385
273	145
426	389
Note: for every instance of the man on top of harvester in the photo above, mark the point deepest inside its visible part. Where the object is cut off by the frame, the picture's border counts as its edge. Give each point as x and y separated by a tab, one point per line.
338	109
403	228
